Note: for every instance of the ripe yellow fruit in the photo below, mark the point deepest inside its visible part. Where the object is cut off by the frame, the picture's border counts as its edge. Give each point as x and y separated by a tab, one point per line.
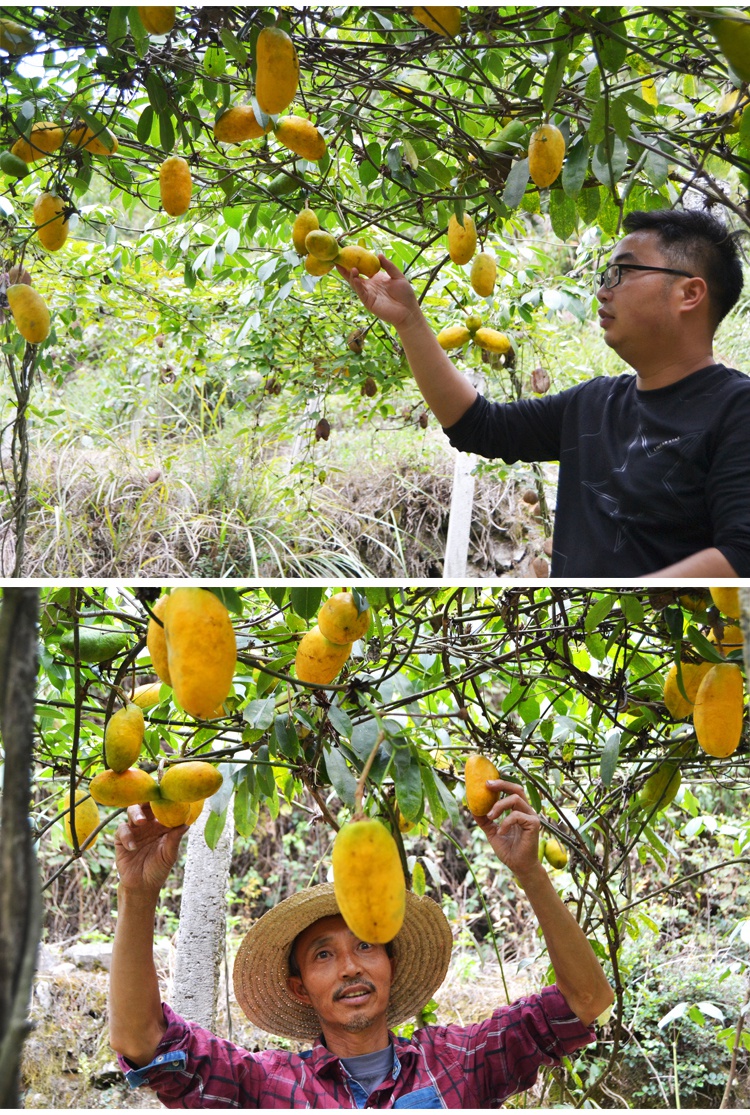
693	674
277	70
301	136
156	20
546	155
453	336
130	787
484	274
174	813
492	340
366	262
44	138
727	600
30	312
479	798
175	186
305	221
315	266
718	710
732	32
446	20
86	820
727	105
322	245
660	788
123	737
339	620
318	660
554	853
99	141
462	239
146	696
156	642
368	881
15	38
731	639
238	124
201	648
188	782
51	226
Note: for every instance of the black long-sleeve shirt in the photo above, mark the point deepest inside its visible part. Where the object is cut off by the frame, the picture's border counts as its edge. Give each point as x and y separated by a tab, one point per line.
646	478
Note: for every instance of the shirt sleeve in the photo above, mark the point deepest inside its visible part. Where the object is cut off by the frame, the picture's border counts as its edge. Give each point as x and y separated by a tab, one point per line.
527	430
194	1068
502	1055
728	485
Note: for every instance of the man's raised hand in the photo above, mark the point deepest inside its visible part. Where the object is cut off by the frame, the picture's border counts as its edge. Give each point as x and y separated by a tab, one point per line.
388	294
512	828
145	850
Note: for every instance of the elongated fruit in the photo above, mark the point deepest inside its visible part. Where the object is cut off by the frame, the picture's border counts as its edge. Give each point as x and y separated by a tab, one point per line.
484	274
99	141
123	737
30	312
368	881
315	266
51	226
731	639
554	853
12	165
238	124
446	19
188	782
15	38
201	649
157	20
94	645
147	695
277	70
366	262
156	642
693	674
727	600
305	221
322	245
340	621
492	340
130	787
718	710
44	138
479	797
546	155
453	336
660	788
301	136
86	820
174	813
318	660
462	239
175	186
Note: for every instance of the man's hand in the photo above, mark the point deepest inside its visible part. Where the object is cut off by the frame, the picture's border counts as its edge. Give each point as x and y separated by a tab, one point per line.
145	850
389	294
515	838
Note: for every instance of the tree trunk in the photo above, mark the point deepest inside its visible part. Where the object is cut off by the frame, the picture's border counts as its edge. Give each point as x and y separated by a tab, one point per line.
20	901
201	938
462	505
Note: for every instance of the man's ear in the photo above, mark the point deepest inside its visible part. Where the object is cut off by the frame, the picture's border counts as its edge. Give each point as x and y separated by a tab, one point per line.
296	988
694	292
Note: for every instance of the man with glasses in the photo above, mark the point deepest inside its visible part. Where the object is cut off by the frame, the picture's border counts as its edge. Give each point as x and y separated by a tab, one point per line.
654	476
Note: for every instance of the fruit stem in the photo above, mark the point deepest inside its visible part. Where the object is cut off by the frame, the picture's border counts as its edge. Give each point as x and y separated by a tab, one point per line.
360	789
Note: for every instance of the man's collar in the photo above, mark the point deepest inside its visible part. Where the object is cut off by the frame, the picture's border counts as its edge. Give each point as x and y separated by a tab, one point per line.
322	1061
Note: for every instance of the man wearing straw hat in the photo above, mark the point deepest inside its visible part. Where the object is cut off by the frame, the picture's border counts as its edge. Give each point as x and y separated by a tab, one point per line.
301	973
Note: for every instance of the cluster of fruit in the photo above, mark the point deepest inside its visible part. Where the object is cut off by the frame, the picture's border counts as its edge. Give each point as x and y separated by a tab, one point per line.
324	649
322	251
471	329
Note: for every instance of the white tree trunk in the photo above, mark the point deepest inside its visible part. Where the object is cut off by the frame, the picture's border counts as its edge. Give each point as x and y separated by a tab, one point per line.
201	937
462	506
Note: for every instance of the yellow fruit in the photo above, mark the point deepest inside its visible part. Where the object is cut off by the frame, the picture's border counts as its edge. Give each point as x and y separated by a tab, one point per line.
305	221
51	226
15	38
732	32
554	853
366	262
123	737
277	70
492	340
339	620
189	782
146	696
98	141
301	136
479	798
693	674
403	824
157	21
727	600
445	20
546	155
483	274
130	787
156	642
322	245
30	312
315	266
718	710
453	336
648	91
660	788
462	240
43	140
201	648
238	124
175	186
174	813
693	601
86	820
473	322
318	660
731	639
368	881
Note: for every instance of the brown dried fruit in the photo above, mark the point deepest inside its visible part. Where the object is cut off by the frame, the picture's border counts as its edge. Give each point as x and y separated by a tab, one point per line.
356	341
369	387
540	567
540	381
530	496
323	430
423	420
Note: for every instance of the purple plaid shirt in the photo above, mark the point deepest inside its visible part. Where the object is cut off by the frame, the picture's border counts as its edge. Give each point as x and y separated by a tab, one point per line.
439	1066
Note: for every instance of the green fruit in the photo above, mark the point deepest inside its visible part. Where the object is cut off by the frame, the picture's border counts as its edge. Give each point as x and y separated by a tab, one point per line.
214	61
509	139
95	646
11	165
660	788
284	184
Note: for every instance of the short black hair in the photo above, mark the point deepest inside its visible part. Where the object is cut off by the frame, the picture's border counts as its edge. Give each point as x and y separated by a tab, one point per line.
696	240
294	966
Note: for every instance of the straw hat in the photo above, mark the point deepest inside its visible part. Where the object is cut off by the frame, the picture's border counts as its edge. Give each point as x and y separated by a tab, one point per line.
422	951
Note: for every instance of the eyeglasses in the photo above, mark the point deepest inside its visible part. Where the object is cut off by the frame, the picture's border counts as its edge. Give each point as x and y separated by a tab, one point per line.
611	276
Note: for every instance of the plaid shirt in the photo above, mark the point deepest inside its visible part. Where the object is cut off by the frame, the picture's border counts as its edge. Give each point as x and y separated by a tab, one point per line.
439	1066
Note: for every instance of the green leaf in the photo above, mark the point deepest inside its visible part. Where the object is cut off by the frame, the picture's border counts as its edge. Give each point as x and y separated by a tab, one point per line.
306	601
435	801
117	28
285	735
610	756
340	721
259	714
264	772
705	648
554	76
632	608
166	133
341	776
145	124
608	217
245	810
233	46
408	779
516	183
157	94
229	597
575	167
418	880
587	203
609	159
598	612
562	213
612	52
214	828
138	31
